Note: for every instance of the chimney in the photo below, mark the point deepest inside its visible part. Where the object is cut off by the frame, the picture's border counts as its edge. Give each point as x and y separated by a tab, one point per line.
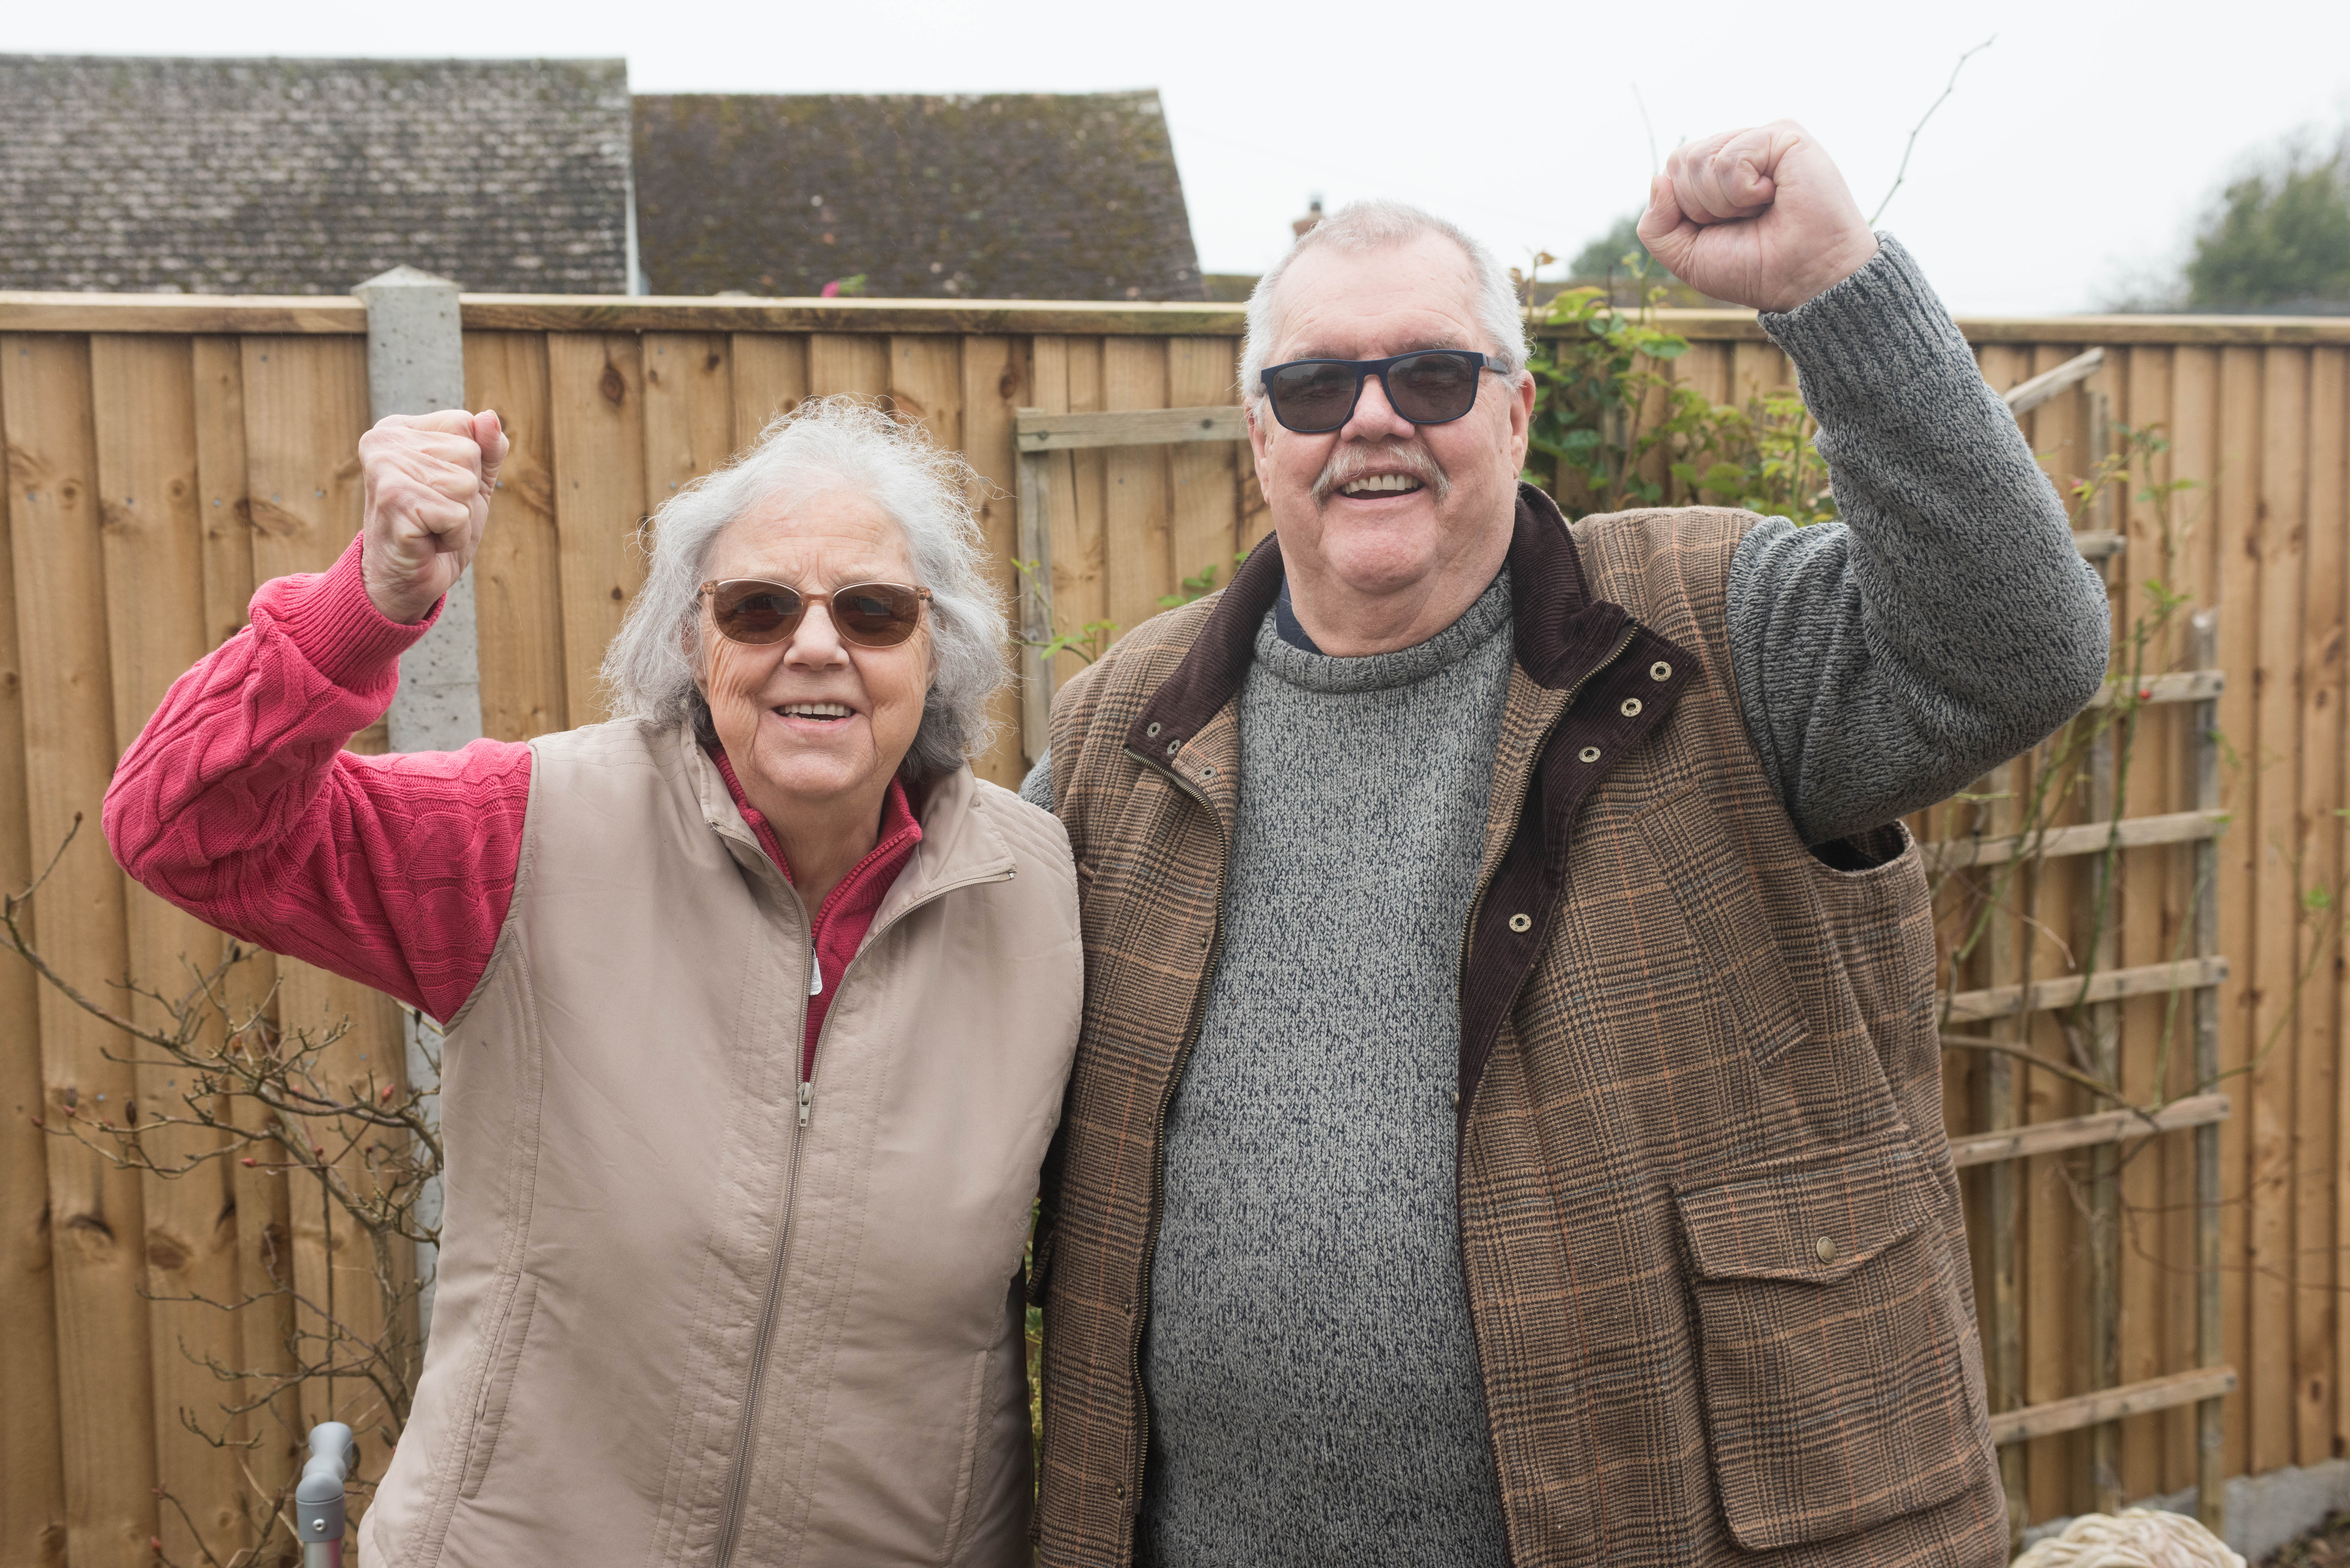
1305	225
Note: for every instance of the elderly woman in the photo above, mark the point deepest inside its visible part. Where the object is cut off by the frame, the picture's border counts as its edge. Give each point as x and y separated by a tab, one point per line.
759	1006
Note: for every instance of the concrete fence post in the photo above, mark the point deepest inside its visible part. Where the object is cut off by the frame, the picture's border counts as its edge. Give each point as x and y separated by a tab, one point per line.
416	365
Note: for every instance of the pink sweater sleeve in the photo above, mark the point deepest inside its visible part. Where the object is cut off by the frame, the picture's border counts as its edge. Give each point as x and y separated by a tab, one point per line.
238	803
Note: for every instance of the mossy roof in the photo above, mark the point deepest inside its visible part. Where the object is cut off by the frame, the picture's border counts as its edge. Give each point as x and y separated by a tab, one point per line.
307	176
1003	196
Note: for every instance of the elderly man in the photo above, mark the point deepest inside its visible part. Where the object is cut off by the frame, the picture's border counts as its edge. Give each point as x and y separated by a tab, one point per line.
1507	1124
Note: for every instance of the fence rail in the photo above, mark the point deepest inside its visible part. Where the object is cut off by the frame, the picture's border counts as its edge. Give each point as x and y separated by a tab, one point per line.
165	454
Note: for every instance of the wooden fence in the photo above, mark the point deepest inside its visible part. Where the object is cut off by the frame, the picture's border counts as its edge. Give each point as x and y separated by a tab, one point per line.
165	455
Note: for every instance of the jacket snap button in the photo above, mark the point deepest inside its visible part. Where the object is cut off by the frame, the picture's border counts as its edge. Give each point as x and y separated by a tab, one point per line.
1825	1248
1631	707
1588	755
1660	670
1151	729
1207	773
1521	924
1173	747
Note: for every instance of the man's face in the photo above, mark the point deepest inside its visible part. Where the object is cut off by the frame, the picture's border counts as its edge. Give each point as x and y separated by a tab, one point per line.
1345	527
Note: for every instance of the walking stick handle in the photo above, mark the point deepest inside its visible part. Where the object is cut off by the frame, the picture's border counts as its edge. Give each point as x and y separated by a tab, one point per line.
319	1495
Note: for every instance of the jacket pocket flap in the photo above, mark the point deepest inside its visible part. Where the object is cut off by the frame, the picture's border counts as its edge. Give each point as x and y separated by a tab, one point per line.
1810	1223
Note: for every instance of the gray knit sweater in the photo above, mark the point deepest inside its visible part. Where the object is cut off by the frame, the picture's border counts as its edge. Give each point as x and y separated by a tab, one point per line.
1313	1386
1314	1389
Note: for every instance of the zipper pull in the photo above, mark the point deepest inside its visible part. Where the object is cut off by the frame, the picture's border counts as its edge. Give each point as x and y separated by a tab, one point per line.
815	972
807	1099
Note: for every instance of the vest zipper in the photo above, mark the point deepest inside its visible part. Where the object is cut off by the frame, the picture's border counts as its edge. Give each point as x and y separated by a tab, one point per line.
1141	1313
739	1467
1460	986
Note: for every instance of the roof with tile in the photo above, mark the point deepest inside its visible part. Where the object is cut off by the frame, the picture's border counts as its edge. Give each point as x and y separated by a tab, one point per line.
1003	196
307	176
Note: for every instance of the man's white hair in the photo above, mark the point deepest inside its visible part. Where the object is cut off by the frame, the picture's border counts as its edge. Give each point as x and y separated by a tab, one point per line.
825	445
1373	225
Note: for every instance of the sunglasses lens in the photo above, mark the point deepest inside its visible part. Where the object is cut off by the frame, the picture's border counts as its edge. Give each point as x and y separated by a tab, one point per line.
756	612
1313	397
1431	388
878	615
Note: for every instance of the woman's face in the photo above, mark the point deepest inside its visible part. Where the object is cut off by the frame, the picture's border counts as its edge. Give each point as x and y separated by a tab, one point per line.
814	718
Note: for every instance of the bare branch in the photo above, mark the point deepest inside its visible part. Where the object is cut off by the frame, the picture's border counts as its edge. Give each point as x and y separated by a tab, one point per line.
1903	173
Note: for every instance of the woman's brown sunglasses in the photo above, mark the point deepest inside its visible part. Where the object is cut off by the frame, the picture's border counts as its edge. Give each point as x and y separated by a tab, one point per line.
870	615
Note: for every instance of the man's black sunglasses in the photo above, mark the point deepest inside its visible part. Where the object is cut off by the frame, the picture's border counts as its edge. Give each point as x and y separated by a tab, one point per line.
1431	387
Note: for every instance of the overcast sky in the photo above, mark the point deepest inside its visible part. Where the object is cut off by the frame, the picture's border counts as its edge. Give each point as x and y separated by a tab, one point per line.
2073	156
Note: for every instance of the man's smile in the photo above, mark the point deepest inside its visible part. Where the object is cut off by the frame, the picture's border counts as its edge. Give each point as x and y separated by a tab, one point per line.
1381	484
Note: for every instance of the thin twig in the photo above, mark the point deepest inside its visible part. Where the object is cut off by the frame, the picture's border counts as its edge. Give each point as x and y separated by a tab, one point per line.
1655	166
1903	173
2096	1086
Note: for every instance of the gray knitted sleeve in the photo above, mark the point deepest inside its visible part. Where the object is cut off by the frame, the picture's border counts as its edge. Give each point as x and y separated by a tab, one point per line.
1036	789
1947	622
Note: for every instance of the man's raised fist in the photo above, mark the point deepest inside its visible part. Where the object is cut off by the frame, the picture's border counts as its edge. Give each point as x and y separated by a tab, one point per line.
1758	217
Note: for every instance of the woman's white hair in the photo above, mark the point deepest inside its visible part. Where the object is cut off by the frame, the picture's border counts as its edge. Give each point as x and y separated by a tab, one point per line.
1361	226
825	445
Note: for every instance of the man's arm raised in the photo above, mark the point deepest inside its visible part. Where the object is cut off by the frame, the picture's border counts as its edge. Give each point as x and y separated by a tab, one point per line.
1947	622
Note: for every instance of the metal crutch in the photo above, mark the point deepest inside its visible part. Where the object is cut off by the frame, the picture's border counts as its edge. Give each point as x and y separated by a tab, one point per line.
319	1495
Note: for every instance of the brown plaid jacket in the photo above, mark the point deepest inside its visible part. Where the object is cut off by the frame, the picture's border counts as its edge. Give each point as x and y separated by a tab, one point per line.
1709	1223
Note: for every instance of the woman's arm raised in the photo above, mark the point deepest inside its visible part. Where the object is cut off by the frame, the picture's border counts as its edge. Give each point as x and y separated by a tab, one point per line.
238	803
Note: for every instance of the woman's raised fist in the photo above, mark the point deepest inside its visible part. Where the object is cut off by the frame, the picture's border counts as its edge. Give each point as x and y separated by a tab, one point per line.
427	480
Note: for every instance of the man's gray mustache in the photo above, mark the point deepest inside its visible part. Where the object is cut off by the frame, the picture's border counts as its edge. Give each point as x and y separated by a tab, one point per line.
1355	459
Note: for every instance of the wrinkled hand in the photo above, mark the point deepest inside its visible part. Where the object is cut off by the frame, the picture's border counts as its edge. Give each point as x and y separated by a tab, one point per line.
427	480
1758	217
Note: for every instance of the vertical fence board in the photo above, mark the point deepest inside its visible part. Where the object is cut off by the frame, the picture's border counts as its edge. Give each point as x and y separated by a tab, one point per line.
926	385
1075	590
2236	580
264	1341
105	1385
1139	566
217	366
2329	510
2317	662
1081	542
770	379
32	1476
1203	529
840	362
689	409
2191	425
305	407
994	381
596	420
518	572
150	527
2278	554
1759	368
2152	912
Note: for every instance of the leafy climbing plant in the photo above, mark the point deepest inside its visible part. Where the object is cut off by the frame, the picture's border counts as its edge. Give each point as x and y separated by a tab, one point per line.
1623	431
